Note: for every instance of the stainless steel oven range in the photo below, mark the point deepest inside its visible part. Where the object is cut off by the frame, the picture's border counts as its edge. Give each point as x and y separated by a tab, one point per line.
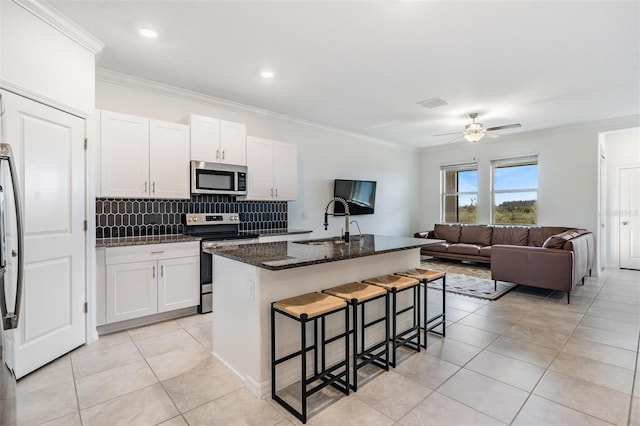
215	230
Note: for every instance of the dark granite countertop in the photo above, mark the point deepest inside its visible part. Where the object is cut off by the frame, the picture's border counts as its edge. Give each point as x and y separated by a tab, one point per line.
291	254
148	239
277	231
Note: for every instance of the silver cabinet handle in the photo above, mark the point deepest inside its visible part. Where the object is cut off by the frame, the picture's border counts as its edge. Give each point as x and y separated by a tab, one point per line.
154	272
157	252
625	222
272	192
217	154
145	186
162	270
153	185
14	253
276	192
223	155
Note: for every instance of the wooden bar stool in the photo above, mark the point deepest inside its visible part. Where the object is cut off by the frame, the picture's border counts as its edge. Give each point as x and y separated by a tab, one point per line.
359	294
425	276
305	308
396	284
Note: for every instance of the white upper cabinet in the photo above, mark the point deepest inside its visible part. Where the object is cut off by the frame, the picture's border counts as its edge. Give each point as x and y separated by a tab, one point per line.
124	155
259	169
169	160
272	170
218	141
205	138
142	158
233	143
285	167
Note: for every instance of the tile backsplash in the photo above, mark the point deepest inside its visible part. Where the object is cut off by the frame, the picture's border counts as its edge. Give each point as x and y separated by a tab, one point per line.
128	217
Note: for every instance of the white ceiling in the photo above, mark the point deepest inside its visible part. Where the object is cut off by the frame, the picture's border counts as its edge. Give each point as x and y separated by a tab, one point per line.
363	66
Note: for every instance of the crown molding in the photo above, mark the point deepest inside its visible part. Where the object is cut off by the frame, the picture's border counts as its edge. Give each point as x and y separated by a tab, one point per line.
52	16
126	80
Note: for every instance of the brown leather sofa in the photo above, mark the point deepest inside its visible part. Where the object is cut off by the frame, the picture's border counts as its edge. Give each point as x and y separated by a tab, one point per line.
551	257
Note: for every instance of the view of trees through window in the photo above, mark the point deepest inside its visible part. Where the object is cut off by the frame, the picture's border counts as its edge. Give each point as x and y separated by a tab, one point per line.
460	193
515	191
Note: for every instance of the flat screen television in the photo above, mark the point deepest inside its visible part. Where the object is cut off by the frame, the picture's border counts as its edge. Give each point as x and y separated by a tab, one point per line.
360	196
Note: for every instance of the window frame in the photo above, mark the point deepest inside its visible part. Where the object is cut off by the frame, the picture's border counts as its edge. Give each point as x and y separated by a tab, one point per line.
461	167
513	162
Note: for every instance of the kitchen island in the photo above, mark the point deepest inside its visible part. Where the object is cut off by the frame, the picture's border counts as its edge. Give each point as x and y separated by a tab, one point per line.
248	278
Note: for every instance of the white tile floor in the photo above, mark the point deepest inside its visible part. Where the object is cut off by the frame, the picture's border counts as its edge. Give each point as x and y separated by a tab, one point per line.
525	359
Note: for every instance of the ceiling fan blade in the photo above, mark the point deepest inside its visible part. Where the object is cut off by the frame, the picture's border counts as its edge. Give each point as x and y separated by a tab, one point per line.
448	134
454	139
506	126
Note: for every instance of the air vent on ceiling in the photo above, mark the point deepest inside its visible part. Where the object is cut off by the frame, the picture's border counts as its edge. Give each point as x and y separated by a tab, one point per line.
432	103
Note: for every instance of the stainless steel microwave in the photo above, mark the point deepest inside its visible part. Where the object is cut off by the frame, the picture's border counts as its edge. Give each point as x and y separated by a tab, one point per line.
217	178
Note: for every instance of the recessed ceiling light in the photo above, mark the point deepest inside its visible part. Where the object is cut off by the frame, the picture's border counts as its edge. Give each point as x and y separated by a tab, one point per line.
266	74
148	33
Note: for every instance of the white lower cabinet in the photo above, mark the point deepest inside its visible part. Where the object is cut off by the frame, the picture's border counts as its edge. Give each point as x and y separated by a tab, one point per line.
149	279
132	290
176	283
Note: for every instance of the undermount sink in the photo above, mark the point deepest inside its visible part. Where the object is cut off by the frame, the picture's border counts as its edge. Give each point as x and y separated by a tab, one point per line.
322	242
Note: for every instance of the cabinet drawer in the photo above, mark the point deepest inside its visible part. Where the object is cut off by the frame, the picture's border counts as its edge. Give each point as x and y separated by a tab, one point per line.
142	253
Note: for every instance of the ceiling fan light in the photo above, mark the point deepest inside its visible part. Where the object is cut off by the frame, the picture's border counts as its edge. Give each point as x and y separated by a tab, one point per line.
473	127
473	136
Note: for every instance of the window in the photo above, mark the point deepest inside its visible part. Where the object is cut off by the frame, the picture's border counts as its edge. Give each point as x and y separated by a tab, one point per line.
459	193
515	191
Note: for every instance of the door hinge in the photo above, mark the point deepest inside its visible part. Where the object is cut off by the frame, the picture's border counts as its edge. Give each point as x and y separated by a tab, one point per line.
86	307
85	144
84	225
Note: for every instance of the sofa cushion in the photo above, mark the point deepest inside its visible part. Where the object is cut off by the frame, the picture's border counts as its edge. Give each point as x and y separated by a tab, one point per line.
476	234
451	233
538	235
485	251
511	235
560	240
462	248
440	247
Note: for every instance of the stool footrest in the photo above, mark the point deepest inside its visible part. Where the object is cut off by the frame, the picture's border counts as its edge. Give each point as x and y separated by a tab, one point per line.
293	355
327	379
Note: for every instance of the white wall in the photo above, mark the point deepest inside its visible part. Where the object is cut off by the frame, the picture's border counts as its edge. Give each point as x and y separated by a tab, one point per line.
39	61
323	155
622	149
568	172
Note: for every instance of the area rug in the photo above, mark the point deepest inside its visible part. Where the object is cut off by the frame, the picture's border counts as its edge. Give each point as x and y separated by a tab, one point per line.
479	270
472	286
467	279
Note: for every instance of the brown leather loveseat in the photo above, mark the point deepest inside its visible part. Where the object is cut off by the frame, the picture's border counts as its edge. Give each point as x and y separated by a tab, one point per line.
550	257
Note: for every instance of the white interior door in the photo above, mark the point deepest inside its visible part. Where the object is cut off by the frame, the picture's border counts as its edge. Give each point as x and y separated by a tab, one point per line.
630	218
48	146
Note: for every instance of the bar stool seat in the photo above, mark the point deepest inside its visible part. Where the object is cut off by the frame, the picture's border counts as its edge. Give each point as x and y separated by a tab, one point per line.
359	291
312	307
395	284
393	281
426	276
377	353
311	304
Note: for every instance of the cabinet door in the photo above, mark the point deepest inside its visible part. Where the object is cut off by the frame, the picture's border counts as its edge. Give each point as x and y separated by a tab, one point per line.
178	283
205	138
285	170
124	155
260	169
169	160
233	143
132	290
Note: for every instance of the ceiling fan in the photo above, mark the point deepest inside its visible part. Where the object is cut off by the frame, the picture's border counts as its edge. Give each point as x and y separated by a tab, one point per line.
473	131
